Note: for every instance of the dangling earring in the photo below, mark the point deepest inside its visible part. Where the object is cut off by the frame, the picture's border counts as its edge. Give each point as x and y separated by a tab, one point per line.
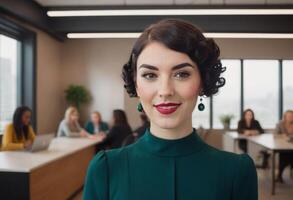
201	105
139	107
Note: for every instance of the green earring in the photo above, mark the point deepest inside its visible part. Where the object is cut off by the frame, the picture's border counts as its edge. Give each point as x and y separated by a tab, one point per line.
139	107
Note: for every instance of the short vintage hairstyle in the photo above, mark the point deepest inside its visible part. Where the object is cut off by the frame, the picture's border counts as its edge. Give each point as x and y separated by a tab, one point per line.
183	37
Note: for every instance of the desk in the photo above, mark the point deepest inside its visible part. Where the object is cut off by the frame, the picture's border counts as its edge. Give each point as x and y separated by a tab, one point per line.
274	143
235	137
56	173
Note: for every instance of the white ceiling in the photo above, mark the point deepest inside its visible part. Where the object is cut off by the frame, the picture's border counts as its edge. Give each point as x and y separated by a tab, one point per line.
160	2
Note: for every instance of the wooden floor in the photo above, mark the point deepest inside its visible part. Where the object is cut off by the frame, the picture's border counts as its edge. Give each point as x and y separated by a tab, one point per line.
283	191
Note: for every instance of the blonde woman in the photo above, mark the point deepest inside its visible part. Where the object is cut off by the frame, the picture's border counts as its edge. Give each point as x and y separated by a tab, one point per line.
69	126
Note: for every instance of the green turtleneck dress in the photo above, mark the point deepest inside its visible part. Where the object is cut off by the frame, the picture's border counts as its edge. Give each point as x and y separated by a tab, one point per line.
158	169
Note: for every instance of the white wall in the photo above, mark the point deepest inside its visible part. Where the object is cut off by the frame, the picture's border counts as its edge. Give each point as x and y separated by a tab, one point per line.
97	64
49	93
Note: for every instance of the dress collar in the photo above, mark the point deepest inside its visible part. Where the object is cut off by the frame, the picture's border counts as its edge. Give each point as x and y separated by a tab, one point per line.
189	144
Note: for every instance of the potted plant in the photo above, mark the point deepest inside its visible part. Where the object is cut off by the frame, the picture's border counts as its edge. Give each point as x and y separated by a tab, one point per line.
226	120
76	95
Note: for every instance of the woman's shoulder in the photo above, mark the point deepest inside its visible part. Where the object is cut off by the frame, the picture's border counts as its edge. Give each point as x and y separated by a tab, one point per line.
229	159
111	156
104	123
96	178
239	168
9	126
89	123
255	121
63	122
9	129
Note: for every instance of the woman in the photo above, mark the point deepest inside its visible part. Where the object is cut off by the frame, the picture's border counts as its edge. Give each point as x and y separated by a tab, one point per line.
285	127
171	64
19	135
120	129
248	126
69	126
96	126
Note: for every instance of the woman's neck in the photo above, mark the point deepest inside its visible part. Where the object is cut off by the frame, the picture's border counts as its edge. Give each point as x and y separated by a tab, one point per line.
172	133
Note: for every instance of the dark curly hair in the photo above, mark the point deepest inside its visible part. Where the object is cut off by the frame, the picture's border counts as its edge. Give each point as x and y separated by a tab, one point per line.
183	37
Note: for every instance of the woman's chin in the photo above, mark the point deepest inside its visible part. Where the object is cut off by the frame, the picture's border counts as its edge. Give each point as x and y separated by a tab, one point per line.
168	124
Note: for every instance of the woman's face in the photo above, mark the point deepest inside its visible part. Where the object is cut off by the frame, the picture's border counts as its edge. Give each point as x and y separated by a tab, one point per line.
167	76
26	118
95	118
248	116
74	116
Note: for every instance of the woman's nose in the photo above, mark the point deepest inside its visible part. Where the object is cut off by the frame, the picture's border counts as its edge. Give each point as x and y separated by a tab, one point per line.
166	87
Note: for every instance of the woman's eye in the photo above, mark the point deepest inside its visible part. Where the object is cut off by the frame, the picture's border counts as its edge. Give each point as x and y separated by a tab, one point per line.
149	76
182	75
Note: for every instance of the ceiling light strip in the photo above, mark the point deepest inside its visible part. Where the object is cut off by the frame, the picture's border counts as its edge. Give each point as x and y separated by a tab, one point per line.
152	12
209	35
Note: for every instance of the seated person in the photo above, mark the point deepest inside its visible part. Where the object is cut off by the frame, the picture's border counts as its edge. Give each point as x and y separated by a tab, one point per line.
96	126
248	126
19	135
69	126
285	127
119	130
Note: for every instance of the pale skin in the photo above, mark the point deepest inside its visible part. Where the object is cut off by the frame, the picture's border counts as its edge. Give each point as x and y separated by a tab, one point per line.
165	75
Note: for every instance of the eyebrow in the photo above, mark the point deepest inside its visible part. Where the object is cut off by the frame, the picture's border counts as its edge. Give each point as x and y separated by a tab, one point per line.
176	67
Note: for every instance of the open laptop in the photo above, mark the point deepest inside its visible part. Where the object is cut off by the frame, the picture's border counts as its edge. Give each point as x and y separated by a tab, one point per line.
42	142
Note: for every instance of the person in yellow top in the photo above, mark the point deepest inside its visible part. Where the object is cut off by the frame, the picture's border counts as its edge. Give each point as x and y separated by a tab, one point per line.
19	135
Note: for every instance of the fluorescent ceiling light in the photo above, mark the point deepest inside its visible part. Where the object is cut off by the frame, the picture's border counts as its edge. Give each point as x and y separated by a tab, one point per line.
210	35
151	12
251	35
103	35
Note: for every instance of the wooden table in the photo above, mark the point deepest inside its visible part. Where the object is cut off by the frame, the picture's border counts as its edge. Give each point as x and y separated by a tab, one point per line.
56	173
276	144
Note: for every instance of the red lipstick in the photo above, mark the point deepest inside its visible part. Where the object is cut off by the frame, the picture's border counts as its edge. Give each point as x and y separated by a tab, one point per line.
167	108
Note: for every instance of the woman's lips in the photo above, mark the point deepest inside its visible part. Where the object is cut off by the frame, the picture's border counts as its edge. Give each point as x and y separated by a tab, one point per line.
167	108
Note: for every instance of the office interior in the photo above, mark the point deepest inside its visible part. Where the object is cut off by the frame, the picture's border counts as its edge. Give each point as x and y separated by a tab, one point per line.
44	51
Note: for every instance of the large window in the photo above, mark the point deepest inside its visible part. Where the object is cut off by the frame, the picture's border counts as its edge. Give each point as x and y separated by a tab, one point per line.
254	84
227	101
261	90
287	84
9	63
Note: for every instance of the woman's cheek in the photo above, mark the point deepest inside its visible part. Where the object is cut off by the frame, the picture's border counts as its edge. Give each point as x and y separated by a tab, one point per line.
145	89
189	91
